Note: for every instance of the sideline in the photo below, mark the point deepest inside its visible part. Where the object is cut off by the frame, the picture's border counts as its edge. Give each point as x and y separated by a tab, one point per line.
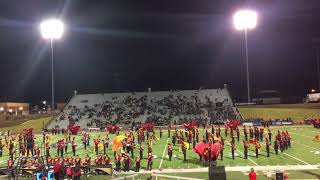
164	152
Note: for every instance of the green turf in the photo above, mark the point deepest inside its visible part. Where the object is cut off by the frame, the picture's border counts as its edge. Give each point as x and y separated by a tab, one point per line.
36	124
266	113
304	151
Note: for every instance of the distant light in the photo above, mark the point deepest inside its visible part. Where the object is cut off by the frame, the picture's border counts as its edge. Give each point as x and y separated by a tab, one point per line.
44	102
1	108
20	108
51	28
313	90
245	19
10	110
44	108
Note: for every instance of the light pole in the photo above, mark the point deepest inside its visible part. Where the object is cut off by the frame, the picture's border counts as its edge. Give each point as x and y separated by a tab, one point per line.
245	20
318	68
52	29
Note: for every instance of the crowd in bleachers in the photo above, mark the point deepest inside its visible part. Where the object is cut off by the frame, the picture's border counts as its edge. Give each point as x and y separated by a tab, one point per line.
160	108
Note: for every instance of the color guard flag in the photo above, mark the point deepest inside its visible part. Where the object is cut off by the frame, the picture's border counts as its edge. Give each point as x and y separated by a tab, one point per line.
116	142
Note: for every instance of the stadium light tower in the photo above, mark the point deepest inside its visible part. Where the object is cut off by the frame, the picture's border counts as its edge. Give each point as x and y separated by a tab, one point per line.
245	20
52	29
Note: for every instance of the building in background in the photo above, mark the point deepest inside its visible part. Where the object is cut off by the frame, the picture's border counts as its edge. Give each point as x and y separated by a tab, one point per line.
14	108
313	97
267	97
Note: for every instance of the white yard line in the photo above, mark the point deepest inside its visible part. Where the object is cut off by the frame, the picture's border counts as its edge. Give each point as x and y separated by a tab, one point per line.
290	156
314	131
296	158
163	153
306	145
301	135
243	154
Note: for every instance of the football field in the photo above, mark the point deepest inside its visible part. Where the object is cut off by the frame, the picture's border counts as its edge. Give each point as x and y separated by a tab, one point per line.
304	151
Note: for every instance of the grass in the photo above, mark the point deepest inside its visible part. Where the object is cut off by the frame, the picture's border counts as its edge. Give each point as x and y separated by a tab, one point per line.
303	150
297	114
36	124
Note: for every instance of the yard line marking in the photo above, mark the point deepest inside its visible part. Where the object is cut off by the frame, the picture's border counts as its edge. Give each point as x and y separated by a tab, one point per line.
301	135
163	153
306	145
243	154
291	156
314	131
311	131
296	158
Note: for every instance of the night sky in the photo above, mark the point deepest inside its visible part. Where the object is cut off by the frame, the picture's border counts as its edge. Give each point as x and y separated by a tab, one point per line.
112	46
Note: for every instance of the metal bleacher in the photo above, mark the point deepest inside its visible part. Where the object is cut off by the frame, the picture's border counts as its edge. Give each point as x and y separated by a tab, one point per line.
82	105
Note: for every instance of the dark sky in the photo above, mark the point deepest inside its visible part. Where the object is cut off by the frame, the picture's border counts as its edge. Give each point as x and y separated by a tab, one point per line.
169	44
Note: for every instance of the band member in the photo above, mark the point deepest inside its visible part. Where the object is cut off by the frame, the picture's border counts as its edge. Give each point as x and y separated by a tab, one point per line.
107	142
47	147
138	162
233	148
118	163
10	168
37	150
88	139
288	141
104	147
221	151
84	140
141	151
276	146
61	147
147	135
23	150
268	147
1	147
222	140
76	172
149	149
149	166
207	135
269	134
251	132
197	135
96	144
209	153
245	132
238	134
87	163
257	146
232	138
66	146
169	151
73	145
184	151
226	131
11	149
126	163
246	146
174	139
